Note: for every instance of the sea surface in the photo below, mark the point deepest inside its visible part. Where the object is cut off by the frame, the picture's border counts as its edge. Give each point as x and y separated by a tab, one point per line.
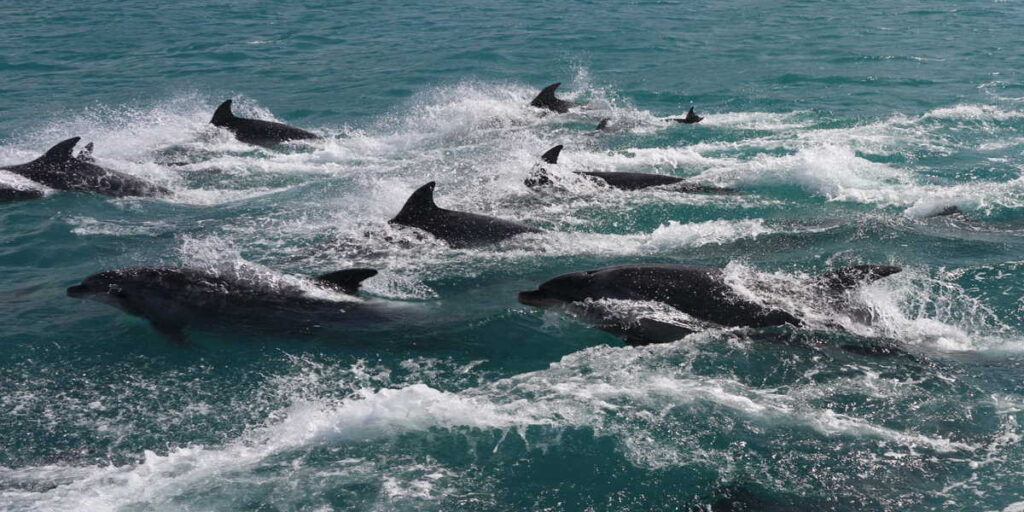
844	125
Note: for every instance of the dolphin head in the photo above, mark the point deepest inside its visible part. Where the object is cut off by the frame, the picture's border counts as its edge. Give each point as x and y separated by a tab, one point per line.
138	290
564	289
111	287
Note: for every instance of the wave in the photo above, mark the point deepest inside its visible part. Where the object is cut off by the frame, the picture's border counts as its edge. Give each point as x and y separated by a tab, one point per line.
633	396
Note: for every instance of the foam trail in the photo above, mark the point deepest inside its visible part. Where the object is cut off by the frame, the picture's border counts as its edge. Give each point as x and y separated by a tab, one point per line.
760	121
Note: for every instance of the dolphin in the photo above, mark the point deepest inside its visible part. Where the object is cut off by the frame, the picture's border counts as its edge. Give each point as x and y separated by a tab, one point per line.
691	118
697	291
174	298
60	169
547	100
457	229
622	180
256	131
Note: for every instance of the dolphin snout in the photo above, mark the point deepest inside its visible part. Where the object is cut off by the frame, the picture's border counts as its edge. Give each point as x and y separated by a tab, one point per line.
537	298
78	291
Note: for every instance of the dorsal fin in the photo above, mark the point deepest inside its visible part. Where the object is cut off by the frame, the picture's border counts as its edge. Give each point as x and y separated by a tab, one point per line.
546	96
692	117
85	154
849	277
223	114
421	201
551	156
347	280
602	124
61	152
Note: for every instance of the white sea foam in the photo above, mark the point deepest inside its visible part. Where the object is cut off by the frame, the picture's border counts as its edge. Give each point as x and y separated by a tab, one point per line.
667	237
974	113
91	226
913	307
219	256
617	392
765	121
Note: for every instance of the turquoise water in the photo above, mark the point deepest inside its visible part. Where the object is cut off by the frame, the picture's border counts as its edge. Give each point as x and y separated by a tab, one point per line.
844	125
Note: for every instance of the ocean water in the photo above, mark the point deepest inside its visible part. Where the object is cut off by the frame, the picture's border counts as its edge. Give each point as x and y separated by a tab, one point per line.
844	125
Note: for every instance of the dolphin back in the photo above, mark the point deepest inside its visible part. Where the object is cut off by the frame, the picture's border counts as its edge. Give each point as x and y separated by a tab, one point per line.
546	99
223	115
457	229
849	277
257	131
348	280
60	169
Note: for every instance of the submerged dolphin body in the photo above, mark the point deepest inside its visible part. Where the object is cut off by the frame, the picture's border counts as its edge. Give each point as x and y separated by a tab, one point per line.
953	211
457	229
173	298
622	180
257	131
60	169
546	99
698	291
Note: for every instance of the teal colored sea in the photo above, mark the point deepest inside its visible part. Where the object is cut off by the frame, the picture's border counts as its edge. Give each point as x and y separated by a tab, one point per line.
845	127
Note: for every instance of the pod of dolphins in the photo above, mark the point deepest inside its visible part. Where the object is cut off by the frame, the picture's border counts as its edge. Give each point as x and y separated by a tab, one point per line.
173	298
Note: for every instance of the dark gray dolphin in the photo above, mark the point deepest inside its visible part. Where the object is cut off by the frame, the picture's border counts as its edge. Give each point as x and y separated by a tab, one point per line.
547	100
173	298
691	118
256	131
457	229
698	291
622	180
61	170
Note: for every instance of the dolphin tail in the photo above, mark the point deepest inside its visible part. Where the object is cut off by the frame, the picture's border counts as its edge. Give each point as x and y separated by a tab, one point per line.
421	201
61	152
551	156
223	114
849	277
546	96
347	280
